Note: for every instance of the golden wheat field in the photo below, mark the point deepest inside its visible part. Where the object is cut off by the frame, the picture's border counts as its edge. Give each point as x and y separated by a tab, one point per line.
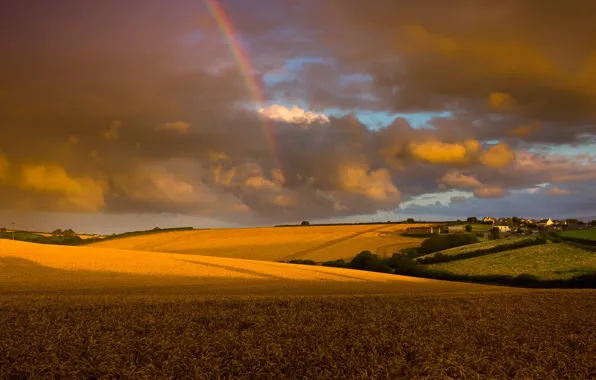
29	266
317	243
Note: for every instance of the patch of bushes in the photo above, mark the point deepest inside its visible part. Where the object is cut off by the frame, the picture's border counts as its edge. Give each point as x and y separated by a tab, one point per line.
341	263
412	253
401	264
576	240
441	243
34	238
368	261
302	262
441	258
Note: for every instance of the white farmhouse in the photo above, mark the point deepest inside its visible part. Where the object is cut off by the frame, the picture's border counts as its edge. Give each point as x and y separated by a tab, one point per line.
504	228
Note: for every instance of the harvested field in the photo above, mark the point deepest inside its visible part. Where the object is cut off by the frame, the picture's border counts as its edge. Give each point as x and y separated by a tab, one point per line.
36	267
547	262
318	243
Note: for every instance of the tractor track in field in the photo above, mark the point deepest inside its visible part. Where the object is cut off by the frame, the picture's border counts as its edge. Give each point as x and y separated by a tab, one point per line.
297	255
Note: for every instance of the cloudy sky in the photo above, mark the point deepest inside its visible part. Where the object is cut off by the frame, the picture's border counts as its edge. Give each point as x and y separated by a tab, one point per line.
121	115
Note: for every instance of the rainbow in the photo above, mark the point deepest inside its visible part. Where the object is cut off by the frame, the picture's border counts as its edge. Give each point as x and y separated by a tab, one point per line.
246	70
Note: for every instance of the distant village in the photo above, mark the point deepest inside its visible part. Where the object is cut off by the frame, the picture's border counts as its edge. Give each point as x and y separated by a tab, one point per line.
509	226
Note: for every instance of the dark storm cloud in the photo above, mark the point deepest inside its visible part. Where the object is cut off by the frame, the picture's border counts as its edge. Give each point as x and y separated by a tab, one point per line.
120	108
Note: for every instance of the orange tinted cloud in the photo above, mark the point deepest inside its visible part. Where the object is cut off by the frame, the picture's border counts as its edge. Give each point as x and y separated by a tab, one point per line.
501	101
4	166
176	126
437	152
555	190
113	133
489	192
283	200
525	130
376	185
78	193
499	155
458	180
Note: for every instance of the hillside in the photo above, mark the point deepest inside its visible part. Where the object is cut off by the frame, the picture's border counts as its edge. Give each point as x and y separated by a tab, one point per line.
318	243
28	266
547	262
475	247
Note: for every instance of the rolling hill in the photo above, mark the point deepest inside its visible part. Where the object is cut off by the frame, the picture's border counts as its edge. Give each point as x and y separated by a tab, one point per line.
317	243
547	262
34	267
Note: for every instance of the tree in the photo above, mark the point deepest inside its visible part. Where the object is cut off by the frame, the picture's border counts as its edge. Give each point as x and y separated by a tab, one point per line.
366	260
469	228
572	220
581	223
495	232
472	219
593	223
516	220
519	230
402	264
410	220
57	232
305	223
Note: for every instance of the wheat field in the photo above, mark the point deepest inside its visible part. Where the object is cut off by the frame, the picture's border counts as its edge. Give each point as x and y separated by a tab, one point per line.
33	267
317	243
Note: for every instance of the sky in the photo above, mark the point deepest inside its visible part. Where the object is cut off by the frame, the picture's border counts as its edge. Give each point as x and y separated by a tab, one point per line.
121	115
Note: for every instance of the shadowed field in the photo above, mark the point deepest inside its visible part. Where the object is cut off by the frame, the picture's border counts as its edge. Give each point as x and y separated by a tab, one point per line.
526	335
317	243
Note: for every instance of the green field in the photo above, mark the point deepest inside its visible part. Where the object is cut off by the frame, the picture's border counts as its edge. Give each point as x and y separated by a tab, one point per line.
547	262
481	227
589	233
22	236
475	247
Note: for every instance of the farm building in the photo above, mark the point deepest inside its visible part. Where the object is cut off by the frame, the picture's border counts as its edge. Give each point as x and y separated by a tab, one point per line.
419	230
545	222
574	226
504	228
456	229
488	220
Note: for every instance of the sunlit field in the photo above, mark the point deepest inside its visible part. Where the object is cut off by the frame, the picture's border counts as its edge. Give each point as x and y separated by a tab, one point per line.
317	243
547	262
31	267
